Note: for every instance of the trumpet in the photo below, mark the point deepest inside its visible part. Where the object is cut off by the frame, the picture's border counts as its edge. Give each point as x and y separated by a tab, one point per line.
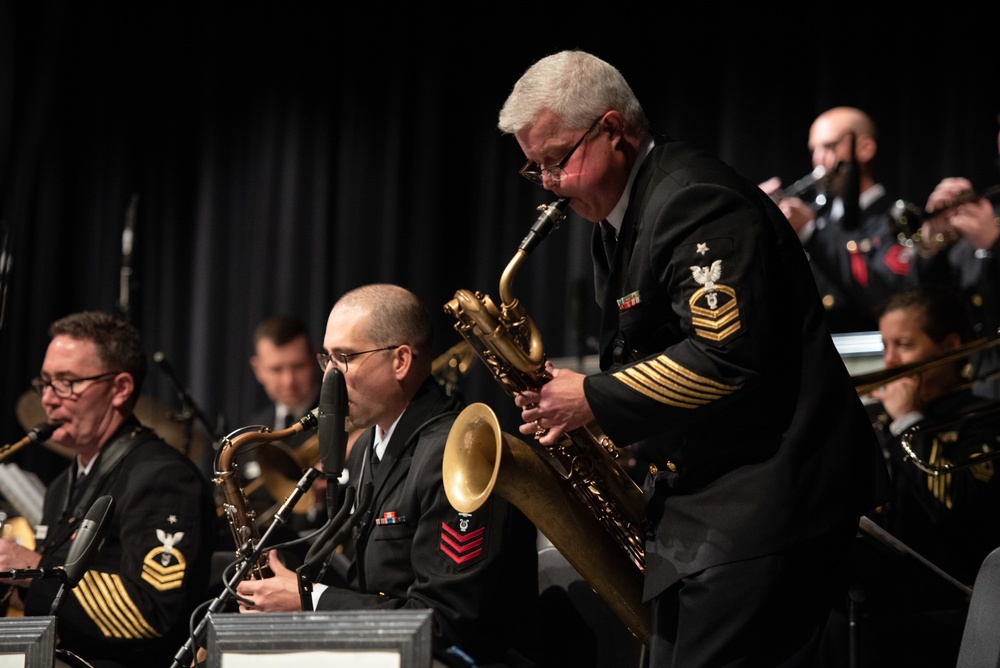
804	185
908	220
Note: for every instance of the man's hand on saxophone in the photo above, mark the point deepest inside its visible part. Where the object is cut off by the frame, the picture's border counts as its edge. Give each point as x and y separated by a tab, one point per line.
555	408
277	594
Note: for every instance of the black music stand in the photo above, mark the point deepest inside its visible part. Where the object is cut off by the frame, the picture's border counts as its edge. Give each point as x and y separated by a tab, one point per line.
898	600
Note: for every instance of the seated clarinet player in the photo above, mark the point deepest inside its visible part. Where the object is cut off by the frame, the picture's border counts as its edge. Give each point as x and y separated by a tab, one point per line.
132	604
476	571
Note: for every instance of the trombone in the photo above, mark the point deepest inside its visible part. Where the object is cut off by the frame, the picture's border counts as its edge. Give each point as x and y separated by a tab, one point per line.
866	383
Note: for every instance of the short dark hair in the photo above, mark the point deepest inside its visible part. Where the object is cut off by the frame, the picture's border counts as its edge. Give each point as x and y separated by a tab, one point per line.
116	341
280	329
942	311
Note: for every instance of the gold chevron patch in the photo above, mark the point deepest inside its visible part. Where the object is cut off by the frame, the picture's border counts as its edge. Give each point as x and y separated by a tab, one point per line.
104	599
164	569
666	381
715	314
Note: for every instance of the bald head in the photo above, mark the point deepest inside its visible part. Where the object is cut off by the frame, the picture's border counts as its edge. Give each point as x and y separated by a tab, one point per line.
831	146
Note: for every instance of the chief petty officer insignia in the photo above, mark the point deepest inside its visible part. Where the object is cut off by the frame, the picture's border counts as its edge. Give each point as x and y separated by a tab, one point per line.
715	311
463	540
163	566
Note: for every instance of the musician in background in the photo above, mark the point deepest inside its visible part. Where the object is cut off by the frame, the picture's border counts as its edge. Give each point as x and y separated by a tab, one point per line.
132	605
949	519
284	363
713	345
960	248
478	572
850	239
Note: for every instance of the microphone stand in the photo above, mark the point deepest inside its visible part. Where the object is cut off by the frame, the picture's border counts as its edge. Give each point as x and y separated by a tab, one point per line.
332	535
189	408
183	657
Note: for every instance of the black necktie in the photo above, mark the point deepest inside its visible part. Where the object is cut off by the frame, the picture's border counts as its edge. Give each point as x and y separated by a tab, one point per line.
289	420
609	239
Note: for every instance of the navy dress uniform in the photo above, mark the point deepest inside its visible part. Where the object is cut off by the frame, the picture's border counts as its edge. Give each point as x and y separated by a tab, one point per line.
133	603
719	368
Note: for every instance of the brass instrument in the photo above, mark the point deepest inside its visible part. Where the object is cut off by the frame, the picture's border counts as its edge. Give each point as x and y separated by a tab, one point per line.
574	492
235	508
802	186
867	382
934	469
37	434
908	220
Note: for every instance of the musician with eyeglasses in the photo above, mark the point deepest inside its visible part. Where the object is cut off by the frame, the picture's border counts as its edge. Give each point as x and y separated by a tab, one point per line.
717	368
132	603
477	571
847	231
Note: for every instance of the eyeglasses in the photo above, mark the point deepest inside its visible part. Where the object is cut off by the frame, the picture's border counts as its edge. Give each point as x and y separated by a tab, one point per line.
341	359
555	172
63	387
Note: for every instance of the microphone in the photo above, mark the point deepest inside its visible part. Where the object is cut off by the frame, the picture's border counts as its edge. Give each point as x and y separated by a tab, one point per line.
128	237
86	544
332	424
850	192
89	537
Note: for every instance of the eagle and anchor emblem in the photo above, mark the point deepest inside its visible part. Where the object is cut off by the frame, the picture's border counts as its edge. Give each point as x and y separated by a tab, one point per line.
715	313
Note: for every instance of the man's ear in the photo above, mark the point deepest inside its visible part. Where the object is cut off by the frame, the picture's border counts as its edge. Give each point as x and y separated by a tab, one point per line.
402	361
613	124
865	148
123	385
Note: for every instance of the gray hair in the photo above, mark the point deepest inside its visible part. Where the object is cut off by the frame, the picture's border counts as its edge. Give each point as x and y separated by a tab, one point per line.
578	88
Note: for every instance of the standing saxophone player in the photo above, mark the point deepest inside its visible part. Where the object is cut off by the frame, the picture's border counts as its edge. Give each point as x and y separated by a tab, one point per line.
718	367
133	603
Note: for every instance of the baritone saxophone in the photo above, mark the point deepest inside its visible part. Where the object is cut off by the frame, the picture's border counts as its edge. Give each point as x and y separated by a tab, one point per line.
574	492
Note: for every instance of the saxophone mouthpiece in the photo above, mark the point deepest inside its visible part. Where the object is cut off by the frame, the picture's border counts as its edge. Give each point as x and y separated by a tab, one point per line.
551	216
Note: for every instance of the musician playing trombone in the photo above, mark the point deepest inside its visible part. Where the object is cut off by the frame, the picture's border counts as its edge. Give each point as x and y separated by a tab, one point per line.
948	519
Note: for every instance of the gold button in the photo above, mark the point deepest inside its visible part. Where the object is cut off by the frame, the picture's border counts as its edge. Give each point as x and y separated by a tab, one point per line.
653	470
852	246
828	302
672	466
865	245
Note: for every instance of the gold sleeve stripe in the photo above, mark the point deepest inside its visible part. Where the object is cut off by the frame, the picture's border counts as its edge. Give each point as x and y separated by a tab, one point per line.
663	380
104	599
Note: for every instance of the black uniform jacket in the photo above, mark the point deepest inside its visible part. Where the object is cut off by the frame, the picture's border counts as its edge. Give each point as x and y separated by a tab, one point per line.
478	572
133	603
720	369
949	519
856	269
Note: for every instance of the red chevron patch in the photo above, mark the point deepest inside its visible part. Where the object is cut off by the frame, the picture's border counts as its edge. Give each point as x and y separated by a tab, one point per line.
462	548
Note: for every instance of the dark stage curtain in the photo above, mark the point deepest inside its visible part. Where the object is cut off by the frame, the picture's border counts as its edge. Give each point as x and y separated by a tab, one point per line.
281	156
